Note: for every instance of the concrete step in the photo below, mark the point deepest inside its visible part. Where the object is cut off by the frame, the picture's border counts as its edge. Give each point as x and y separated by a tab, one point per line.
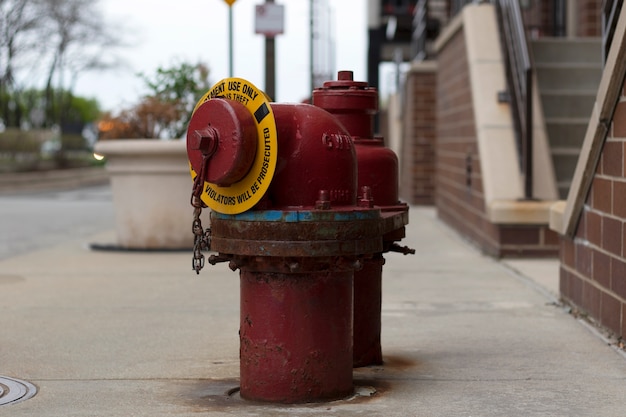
563	189
566	104
566	152
565	76
568	73
564	167
566	132
581	50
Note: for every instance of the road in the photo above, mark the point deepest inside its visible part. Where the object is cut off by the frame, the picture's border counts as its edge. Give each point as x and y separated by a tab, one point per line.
32	221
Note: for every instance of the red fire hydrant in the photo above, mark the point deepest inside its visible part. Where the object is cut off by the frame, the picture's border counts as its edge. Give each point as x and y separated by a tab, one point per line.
355	104
281	183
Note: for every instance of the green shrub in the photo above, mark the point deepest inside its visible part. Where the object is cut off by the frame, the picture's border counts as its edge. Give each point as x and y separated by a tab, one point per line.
14	141
73	142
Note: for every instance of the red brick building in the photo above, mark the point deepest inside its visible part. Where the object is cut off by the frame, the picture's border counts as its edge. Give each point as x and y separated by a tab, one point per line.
468	149
593	220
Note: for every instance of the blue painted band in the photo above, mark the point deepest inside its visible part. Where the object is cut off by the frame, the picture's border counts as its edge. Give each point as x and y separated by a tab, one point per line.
293	216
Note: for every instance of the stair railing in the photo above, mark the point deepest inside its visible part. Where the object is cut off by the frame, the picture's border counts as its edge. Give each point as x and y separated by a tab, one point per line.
610	12
520	82
457	5
418	38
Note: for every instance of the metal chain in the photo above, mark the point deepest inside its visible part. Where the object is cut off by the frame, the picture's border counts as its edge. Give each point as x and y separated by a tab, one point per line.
202	238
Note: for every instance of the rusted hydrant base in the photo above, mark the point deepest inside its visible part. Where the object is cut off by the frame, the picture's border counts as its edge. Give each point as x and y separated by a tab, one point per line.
367	305
296	336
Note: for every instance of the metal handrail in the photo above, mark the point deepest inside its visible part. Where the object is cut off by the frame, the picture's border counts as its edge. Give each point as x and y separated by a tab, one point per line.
610	12
420	23
457	5
520	82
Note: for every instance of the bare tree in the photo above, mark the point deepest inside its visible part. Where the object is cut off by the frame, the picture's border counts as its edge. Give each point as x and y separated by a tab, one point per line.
54	41
78	37
19	20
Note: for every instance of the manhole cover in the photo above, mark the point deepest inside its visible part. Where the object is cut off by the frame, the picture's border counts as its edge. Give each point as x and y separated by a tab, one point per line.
15	390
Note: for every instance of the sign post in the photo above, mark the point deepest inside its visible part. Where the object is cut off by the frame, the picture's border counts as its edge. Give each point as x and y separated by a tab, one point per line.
269	21
230	36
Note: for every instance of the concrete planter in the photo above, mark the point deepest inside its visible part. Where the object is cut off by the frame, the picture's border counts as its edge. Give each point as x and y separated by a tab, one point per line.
151	192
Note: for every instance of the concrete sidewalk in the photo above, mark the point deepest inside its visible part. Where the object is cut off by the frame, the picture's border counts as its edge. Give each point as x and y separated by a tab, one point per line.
56	179
139	334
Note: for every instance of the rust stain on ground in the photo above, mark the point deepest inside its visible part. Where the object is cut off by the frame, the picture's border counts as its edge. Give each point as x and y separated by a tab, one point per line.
223	394
398	362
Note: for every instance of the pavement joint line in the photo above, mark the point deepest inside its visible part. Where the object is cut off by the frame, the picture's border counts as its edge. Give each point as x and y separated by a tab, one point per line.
596	330
464	379
529	282
124	379
593	328
357	377
553	300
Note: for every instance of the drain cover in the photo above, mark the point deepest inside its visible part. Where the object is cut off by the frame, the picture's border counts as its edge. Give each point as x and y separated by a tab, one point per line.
15	390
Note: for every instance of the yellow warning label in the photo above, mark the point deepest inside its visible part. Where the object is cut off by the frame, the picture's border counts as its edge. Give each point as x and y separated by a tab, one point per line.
244	194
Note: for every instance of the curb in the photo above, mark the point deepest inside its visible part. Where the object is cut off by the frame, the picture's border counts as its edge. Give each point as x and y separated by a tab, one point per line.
62	179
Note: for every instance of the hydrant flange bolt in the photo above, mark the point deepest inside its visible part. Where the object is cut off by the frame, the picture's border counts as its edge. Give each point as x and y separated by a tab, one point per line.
323	200
366	199
205	141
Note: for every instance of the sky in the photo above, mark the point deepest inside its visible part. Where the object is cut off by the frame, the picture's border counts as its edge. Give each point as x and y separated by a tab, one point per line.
164	32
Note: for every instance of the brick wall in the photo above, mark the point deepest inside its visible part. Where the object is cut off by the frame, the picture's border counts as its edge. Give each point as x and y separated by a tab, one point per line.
417	177
593	263
589	17
459	196
538	19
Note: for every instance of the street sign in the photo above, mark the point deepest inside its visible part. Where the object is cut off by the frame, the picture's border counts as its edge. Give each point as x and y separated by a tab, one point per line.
270	19
230	2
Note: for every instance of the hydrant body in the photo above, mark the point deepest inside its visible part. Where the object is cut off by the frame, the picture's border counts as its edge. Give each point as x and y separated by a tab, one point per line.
355	104
288	214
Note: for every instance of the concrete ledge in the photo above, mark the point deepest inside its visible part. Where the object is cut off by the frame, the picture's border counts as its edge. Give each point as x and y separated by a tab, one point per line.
519	212
144	156
448	32
134	147
423	66
151	187
557	216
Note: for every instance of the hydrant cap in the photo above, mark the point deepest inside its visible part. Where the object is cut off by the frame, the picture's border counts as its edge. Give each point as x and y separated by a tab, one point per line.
233	130
345	95
224	131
